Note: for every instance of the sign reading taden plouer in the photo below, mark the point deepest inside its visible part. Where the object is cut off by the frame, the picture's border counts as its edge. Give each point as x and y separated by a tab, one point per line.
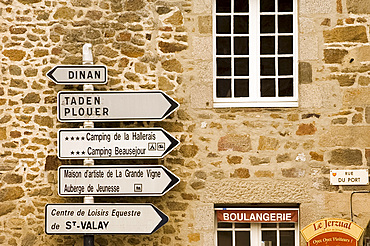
114	106
103	218
122	180
119	143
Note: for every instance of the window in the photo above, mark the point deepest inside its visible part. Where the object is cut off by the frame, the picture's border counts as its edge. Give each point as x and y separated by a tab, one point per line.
255	57
257	227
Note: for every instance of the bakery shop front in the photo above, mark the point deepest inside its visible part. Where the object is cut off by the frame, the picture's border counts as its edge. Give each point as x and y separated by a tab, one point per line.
257	226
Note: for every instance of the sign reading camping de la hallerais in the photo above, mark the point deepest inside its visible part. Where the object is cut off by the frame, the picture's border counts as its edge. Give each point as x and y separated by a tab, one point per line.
126	144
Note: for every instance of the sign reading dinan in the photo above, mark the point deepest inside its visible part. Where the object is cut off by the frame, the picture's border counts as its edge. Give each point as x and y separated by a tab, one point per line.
104	218
122	180
119	143
78	74
114	106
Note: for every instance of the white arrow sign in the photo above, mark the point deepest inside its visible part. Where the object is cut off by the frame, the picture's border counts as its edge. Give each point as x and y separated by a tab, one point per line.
114	106
78	74
103	218
116	143
126	180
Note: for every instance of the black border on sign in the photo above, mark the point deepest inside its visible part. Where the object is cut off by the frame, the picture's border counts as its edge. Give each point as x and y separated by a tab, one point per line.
173	106
174	142
49	74
174	180
164	217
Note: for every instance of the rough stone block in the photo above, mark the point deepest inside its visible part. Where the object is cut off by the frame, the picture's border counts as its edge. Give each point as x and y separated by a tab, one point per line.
334	55
356	97
317	6
345	136
205	24
346	157
358	6
355	34
308	47
305	73
268	143
235	142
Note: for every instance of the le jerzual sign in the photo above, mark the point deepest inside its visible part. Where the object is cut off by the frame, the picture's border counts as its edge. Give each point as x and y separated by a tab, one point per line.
103	218
114	106
116	143
109	180
78	74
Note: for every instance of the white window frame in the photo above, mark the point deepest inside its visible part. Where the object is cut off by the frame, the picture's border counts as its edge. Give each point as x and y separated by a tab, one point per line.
254	61
256	230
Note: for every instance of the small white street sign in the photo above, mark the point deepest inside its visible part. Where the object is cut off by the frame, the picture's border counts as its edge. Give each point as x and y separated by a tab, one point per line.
78	74
103	218
122	180
114	143
349	177
114	106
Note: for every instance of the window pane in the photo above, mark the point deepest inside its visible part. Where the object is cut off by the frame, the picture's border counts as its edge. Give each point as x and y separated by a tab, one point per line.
267	87
241	89
242	238
286	225
267	66
267	6
268	225
285	5
224	238
241	66
286	87
224	225
223	24
223	66
267	24
287	238
241	45
267	45
285	45
270	236
285	65
285	23
223	87
241	24
223	45
240	5
242	225
223	6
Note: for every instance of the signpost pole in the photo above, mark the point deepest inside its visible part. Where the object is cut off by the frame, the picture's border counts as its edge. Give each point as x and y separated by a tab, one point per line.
87	59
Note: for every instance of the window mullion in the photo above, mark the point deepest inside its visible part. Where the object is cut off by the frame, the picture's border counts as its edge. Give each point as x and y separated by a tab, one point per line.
254	50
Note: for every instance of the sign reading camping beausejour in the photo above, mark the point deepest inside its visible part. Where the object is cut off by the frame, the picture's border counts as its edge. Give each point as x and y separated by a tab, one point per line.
114	143
103	218
114	106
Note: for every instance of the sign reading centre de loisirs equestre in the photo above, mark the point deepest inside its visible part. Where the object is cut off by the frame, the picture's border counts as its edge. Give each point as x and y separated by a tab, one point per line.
114	106
123	180
118	143
103	218
78	74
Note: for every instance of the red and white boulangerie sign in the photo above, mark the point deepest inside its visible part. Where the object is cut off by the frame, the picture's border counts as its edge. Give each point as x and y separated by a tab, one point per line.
257	216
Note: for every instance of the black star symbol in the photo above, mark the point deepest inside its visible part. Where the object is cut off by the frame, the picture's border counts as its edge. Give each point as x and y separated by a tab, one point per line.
83	152
82	138
78	152
67	138
72	153
77	138
72	138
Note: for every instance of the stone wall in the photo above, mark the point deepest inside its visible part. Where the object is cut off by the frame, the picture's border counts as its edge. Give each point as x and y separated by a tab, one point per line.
226	156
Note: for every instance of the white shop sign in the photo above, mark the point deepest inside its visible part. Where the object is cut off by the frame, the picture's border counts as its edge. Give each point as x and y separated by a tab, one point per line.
122	180
103	218
115	143
349	177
